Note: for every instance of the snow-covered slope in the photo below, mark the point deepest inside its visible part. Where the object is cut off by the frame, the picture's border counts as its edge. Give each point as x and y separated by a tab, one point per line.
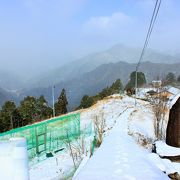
119	156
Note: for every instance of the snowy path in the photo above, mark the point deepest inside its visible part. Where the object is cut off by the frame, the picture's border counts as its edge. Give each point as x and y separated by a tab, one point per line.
119	157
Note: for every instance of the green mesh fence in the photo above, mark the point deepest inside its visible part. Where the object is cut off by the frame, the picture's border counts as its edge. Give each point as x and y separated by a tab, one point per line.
87	130
47	136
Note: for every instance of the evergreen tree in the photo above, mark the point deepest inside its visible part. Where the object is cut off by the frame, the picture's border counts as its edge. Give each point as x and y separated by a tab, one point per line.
141	80
28	110
104	93
61	104
1	123
86	102
6	117
178	79
170	78
43	110
17	119
116	87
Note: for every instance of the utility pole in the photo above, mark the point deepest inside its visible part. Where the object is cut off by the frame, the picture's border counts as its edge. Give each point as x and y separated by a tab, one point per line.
136	79
53	88
11	121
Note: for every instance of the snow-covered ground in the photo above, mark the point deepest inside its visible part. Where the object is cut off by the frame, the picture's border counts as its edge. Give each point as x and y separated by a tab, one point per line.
120	156
140	123
51	168
165	150
142	92
61	165
14	159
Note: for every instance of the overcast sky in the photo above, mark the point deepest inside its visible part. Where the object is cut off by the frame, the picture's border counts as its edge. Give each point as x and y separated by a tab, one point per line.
43	34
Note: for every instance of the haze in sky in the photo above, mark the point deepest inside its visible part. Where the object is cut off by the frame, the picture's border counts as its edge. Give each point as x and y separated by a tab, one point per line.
38	35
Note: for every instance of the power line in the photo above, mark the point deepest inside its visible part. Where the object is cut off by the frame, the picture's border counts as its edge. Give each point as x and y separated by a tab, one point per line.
152	22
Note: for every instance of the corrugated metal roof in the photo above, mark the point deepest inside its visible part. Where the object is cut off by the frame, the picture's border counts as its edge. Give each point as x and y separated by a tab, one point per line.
173	90
172	100
174	97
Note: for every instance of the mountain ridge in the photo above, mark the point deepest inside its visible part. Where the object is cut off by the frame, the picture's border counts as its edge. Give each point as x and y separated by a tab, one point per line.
90	62
92	82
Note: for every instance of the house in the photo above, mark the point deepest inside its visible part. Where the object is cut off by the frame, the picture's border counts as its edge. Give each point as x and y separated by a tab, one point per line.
157	83
171	129
173	126
167	94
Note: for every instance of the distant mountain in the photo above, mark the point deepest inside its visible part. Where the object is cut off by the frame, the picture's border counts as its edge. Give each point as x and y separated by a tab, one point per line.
94	81
178	55
8	96
10	81
89	74
92	61
131	55
9	87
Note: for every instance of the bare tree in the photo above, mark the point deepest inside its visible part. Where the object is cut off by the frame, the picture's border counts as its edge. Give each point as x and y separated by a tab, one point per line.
99	125
159	102
69	145
76	147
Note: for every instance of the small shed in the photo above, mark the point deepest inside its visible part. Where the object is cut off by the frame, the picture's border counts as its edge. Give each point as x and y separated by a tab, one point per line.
173	126
157	83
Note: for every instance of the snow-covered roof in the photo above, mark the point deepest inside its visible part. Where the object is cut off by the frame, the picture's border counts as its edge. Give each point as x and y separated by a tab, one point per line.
165	150
157	82
172	100
175	94
173	90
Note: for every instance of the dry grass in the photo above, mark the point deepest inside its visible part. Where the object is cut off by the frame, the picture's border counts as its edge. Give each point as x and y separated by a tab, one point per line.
142	141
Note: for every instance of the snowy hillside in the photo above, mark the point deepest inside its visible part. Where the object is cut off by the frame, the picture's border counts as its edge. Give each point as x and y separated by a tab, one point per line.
125	152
